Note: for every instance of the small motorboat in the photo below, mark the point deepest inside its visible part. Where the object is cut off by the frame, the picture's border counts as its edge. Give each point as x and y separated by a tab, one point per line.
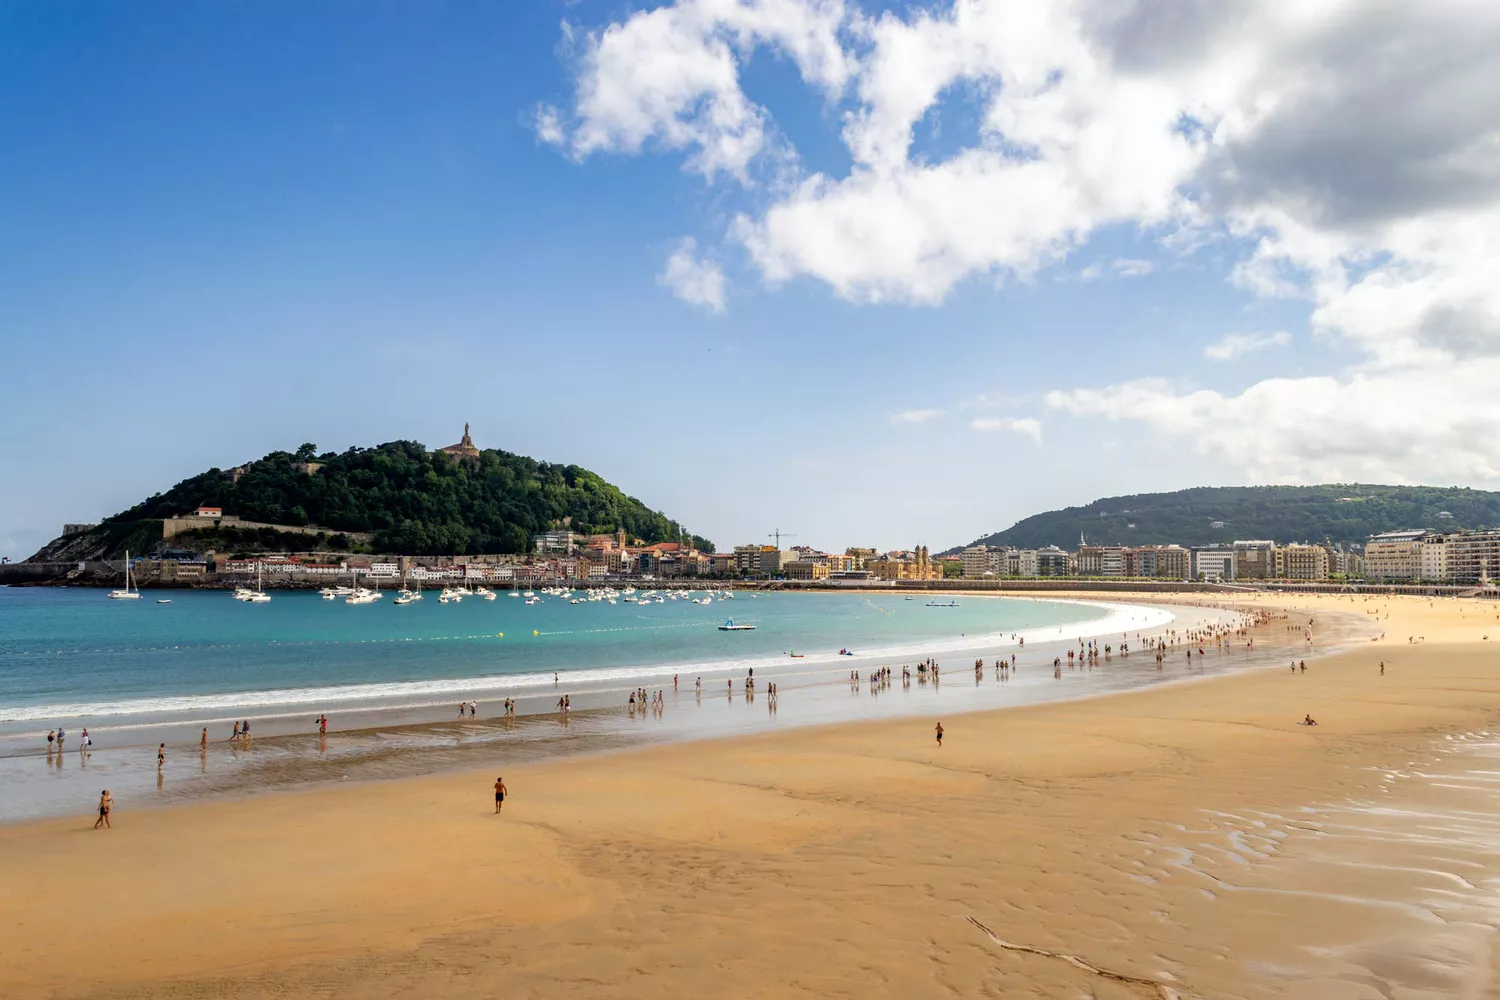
163	600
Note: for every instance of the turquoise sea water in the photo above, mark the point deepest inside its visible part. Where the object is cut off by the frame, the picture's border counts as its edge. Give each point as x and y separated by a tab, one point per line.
71	655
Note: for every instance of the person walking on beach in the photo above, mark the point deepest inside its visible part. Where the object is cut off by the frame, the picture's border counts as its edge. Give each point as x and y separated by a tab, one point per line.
59	737
245	732
500	790
235	737
203	741
51	739
106	803
939	731
161	755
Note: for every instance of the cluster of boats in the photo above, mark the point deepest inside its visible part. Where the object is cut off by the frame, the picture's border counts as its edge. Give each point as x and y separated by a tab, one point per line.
358	594
452	595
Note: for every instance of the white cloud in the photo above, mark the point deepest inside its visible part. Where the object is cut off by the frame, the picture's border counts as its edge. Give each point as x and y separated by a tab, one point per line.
1405	426
671	75
692	278
914	416
548	125
1352	147
1127	267
1024	426
1234	345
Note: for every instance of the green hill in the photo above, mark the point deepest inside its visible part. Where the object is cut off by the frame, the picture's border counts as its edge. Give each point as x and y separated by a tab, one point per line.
406	498
1202	516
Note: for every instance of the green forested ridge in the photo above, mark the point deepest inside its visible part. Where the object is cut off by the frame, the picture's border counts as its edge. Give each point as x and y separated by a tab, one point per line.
1345	513
417	502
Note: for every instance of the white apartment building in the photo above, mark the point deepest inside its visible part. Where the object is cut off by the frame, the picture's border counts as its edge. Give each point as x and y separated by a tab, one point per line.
1023	562
1432	558
1213	564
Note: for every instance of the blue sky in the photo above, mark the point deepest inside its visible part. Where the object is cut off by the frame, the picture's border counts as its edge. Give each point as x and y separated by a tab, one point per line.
229	229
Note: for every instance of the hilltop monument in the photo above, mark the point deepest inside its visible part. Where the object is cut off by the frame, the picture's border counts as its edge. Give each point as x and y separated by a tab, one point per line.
464	448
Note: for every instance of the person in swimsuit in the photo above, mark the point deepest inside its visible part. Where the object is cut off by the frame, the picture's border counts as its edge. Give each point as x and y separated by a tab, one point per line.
203	741
236	735
499	793
161	755
106	803
939	731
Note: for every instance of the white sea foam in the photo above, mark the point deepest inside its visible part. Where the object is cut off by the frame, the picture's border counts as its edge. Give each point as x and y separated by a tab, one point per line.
413	694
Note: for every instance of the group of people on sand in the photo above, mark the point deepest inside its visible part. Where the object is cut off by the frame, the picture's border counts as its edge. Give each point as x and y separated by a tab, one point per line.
469	708
56	736
241	734
640	699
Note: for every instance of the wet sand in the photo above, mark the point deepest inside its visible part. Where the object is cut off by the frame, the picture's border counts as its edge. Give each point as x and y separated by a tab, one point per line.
1186	840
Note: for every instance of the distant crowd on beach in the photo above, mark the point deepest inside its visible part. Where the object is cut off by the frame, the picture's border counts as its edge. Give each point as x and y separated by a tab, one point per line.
1090	653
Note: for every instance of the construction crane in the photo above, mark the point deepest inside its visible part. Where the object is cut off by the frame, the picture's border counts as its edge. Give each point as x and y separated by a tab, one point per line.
778	534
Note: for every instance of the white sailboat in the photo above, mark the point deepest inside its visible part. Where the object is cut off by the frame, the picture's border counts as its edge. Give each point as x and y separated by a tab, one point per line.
258	596
127	594
363	594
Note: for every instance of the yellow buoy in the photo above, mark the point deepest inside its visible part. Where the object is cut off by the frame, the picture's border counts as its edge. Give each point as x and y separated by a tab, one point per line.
535	632
499	635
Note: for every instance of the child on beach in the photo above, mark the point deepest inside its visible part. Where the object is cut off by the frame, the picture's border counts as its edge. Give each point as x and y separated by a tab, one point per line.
939	731
500	791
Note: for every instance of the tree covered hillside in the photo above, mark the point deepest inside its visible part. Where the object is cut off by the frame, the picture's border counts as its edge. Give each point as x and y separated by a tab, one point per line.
415	501
1202	516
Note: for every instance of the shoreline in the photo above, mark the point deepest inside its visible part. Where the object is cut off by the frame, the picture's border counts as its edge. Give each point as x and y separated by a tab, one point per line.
1189	838
490	687
395	743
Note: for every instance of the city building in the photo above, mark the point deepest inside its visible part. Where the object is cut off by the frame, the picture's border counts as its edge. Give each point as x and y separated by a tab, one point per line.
1255	560
1170	561
563	541
1304	562
980	561
1053	561
1432	559
1394	555
1473	556
1101	560
1213	564
805	569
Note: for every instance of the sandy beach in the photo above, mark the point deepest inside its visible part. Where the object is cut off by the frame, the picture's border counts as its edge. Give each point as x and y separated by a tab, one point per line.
1188	840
